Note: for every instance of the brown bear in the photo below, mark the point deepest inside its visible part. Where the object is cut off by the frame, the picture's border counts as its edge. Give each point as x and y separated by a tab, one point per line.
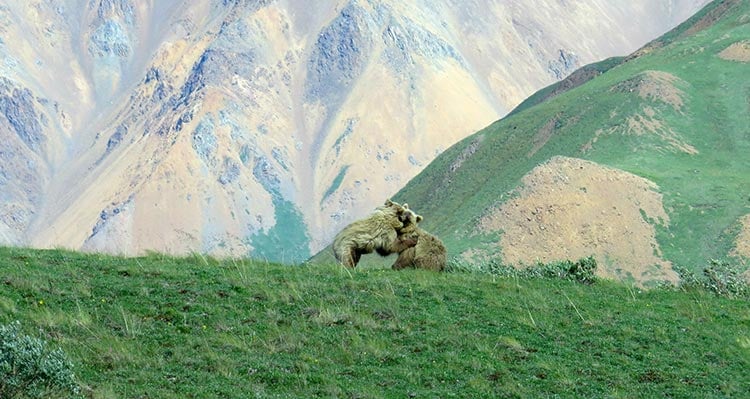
429	253
377	232
406	235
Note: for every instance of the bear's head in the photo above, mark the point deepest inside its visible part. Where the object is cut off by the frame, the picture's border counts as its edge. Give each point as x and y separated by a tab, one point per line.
409	217
410	220
409	234
396	208
405	215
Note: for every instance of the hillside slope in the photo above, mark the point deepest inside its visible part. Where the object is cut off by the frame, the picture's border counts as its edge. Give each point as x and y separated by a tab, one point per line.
161	327
642	164
262	127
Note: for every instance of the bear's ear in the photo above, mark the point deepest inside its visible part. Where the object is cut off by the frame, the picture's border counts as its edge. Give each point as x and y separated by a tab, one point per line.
405	205
419	218
388	202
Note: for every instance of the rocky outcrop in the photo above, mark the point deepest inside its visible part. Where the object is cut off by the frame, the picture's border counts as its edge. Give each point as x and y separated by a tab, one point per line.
23	169
17	106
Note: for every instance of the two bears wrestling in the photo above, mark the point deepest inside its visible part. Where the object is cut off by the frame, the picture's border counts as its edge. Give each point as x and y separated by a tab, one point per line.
392	228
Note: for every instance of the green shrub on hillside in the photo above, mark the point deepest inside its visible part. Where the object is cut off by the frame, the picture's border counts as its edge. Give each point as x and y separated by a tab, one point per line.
725	279
581	270
719	277
29	369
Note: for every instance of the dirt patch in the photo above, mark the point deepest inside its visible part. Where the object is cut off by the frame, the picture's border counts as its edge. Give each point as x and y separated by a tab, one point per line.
655	86
661	86
739	52
544	134
742	243
645	123
570	208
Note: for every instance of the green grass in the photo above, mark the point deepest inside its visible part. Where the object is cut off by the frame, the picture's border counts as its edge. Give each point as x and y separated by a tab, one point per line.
195	327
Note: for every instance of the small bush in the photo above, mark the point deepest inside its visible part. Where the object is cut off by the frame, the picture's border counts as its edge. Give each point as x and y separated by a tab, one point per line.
724	279
581	271
719	277
29	369
688	279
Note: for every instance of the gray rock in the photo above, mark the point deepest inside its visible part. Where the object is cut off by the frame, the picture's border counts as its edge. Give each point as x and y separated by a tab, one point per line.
565	63
231	171
267	176
110	39
116	138
204	139
17	105
340	54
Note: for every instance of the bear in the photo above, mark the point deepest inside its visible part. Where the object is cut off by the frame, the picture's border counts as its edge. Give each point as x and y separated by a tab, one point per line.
429	253
377	232
405	234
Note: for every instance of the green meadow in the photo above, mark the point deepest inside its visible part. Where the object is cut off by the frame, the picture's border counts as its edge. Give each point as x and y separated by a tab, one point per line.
197	327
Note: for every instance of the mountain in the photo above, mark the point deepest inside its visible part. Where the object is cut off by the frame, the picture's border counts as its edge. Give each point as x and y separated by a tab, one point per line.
262	127
640	161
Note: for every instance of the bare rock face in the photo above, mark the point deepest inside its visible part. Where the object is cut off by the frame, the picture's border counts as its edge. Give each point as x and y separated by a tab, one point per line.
262	127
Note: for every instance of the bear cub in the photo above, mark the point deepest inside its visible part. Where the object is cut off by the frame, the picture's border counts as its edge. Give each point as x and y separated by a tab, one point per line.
429	253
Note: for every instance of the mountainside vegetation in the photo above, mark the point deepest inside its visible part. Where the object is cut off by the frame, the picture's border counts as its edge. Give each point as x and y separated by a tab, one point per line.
197	327
640	161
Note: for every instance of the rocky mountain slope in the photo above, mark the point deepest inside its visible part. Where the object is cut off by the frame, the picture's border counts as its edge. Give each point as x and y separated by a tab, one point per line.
643	164
262	127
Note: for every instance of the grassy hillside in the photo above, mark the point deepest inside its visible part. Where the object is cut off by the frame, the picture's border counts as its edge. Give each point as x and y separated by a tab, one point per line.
675	115
160	327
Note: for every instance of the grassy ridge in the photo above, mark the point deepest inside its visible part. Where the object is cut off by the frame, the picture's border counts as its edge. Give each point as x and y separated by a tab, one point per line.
161	327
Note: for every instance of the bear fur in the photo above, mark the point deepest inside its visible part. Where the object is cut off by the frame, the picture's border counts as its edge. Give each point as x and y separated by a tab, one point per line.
429	253
406	235
377	232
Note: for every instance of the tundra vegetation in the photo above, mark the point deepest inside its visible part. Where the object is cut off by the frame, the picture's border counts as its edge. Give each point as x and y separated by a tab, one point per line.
159	326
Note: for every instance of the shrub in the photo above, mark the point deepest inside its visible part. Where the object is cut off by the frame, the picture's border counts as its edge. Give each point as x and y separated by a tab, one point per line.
29	369
581	271
724	279
719	277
